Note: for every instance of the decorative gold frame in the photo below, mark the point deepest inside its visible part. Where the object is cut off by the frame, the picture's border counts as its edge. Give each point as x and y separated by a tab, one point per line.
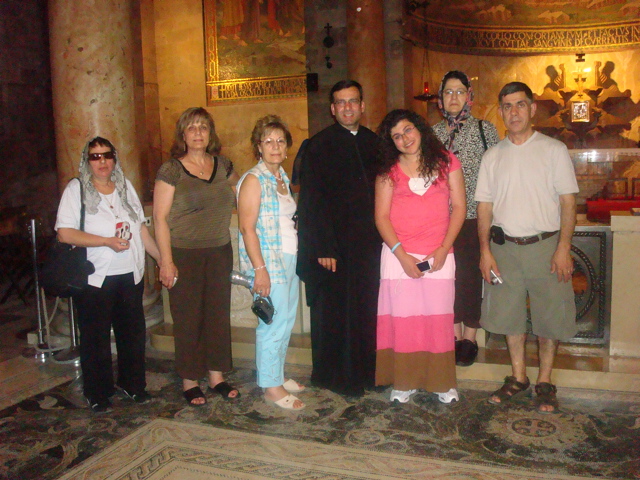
580	112
239	89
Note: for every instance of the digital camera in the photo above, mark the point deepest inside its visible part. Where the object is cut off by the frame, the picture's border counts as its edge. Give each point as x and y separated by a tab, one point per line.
263	308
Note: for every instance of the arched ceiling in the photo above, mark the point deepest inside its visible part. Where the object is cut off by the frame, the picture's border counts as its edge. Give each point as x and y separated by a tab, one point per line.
524	26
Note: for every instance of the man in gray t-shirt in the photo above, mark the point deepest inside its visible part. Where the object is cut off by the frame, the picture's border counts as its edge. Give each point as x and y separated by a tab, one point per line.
526	217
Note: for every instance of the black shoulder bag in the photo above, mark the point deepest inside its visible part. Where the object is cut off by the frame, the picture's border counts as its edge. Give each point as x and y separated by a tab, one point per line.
484	139
65	271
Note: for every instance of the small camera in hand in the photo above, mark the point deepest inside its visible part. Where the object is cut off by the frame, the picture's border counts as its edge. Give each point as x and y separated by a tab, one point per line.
495	278
263	309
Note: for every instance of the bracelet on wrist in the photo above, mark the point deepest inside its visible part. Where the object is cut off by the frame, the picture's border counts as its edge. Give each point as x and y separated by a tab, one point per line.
260	268
393	249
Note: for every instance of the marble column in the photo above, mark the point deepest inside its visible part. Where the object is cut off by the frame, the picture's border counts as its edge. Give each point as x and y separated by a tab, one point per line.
366	56
92	46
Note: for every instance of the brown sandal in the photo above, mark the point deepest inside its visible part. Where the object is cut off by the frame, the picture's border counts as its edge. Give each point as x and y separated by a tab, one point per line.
546	396
509	390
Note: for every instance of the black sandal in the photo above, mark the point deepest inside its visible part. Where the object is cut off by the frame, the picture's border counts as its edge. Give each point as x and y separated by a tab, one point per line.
511	389
546	396
193	393
224	389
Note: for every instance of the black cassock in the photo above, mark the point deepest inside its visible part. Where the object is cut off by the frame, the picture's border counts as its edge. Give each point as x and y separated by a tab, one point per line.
336	220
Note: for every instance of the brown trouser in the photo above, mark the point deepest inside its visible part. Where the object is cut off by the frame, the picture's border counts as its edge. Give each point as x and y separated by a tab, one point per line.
200	304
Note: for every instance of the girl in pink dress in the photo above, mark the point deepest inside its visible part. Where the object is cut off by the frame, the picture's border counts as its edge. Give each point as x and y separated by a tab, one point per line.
420	208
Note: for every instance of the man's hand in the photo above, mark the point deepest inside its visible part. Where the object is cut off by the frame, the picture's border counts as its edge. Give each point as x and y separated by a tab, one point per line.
328	263
488	263
562	265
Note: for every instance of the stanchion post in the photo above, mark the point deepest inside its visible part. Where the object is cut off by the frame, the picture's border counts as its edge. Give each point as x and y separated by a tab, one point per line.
71	354
43	348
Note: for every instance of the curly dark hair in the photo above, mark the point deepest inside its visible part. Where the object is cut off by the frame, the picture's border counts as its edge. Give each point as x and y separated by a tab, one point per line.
434	159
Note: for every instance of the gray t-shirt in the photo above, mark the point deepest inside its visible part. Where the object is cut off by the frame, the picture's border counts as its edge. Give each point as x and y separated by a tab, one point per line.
524	184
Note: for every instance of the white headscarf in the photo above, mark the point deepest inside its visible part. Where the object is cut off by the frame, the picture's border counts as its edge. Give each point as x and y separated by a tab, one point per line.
91	195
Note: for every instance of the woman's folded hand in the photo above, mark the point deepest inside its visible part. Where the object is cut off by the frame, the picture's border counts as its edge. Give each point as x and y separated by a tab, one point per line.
117	244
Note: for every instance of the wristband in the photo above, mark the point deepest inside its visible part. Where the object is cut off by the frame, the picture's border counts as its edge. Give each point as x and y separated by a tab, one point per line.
393	249
259	268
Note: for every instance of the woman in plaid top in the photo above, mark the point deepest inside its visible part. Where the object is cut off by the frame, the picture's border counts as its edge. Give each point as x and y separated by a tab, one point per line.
268	244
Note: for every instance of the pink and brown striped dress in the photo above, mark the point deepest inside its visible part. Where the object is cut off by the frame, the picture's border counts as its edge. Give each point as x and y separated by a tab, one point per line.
415	339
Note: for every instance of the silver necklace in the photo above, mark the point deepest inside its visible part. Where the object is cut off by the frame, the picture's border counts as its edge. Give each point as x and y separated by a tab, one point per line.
113	210
280	183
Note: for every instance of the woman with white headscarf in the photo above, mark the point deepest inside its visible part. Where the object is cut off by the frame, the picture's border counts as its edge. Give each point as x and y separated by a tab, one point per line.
467	138
116	238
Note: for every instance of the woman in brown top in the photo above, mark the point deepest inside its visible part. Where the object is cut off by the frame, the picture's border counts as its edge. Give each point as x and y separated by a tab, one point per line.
192	205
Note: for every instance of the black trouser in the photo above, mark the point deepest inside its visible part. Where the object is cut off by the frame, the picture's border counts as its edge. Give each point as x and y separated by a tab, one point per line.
466	250
117	303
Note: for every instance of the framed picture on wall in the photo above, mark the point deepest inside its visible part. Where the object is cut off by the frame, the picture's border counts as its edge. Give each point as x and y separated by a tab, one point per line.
580	112
255	49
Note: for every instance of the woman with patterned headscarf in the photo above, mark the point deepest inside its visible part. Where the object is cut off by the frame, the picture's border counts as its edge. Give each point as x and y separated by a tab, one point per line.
116	238
467	138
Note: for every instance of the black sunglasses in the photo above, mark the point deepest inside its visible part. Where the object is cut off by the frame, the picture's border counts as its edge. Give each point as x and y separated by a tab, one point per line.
98	156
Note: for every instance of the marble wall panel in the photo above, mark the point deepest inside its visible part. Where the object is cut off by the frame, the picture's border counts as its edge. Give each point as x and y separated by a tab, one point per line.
317	15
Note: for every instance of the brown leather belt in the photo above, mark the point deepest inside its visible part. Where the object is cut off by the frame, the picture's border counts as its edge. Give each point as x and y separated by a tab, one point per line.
531	239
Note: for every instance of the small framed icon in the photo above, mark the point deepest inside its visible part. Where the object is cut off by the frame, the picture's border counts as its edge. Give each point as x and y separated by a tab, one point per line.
580	112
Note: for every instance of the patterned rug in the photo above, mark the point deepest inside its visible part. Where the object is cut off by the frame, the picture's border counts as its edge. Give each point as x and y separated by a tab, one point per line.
596	434
172	450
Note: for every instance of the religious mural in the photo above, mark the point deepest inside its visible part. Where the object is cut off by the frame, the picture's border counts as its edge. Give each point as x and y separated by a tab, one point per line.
255	49
526	26
530	12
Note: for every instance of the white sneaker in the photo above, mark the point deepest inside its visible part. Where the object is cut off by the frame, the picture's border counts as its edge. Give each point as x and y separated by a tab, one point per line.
402	396
449	396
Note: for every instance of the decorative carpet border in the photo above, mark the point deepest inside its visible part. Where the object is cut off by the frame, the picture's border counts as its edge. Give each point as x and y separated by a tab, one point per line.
172	450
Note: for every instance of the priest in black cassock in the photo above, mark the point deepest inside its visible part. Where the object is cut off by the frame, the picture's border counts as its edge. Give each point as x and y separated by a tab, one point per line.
339	246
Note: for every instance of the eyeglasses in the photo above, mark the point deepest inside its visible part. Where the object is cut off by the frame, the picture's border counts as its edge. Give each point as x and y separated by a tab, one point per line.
98	156
271	143
448	92
354	102
398	136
